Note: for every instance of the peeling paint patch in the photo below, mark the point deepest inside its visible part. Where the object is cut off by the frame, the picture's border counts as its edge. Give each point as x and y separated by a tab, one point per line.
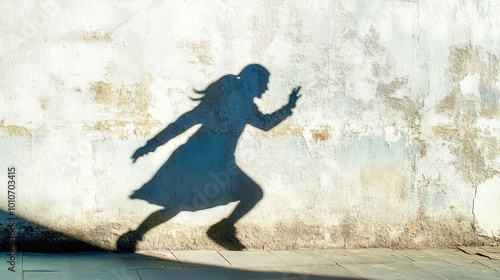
472	69
491	147
404	104
14	130
119	128
487	207
146	126
133	96
448	104
490	102
384	181
131	103
466	59
470	160
125	129
490	113
474	75
444	131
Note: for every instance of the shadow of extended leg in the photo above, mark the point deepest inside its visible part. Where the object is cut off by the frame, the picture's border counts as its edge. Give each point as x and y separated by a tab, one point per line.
128	241
224	232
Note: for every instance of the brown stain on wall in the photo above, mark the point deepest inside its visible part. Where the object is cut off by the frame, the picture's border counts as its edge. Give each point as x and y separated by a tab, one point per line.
103	92
75	36
201	53
141	96
320	134
371	44
376	69
14	130
44	102
133	95
284	128
86	36
264	26
94	36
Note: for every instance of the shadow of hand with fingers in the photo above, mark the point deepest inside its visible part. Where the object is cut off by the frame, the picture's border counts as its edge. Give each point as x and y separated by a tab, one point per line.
202	173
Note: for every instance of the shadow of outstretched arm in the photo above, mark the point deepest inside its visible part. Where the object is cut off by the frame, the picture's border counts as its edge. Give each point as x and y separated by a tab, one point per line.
180	125
268	121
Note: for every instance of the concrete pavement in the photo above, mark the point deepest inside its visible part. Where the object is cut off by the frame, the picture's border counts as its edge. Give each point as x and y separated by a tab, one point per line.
300	264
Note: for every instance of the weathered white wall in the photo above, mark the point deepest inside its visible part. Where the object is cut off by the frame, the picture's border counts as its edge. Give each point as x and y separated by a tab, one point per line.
395	141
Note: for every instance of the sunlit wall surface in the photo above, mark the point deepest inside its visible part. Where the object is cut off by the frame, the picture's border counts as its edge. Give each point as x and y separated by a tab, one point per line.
394	141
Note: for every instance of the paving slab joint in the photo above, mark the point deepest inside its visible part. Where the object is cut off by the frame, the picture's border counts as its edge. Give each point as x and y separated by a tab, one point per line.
225	258
353	273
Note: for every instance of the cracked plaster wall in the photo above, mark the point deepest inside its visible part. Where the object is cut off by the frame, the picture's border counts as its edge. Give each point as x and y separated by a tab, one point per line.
394	143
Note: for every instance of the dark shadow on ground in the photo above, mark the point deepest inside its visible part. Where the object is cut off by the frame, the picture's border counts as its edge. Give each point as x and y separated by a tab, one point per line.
60	261
32	237
133	266
201	271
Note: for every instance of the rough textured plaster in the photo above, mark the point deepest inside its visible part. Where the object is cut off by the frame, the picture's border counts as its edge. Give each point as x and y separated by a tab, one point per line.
394	142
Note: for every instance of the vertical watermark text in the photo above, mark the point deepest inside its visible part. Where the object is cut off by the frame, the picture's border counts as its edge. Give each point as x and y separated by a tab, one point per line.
11	208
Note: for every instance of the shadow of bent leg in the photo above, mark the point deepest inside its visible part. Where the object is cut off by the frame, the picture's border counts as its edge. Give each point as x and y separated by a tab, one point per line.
224	232
128	241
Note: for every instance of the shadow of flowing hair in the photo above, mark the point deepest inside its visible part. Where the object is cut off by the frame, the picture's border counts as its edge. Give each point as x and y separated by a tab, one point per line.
252	76
218	90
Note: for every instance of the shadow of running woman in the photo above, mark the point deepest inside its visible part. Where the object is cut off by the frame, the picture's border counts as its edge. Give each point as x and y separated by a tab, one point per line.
202	173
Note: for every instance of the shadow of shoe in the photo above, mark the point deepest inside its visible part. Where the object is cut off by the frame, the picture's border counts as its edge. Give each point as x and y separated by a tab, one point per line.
128	242
224	234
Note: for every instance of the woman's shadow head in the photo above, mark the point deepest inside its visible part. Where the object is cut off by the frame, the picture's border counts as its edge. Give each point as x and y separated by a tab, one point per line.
254	79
